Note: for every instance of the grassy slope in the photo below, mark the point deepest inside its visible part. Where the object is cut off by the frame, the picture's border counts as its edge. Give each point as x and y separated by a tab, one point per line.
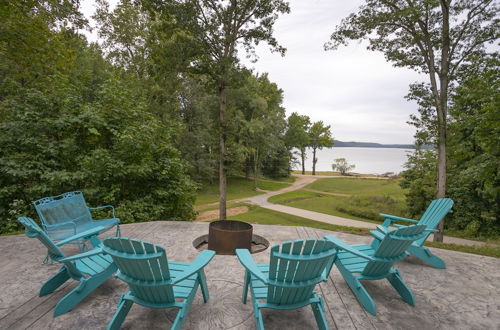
360	187
368	197
263	216
236	188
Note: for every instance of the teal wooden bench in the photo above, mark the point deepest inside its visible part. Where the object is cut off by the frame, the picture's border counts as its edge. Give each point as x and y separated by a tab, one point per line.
288	281
374	262
434	214
66	215
155	282
90	268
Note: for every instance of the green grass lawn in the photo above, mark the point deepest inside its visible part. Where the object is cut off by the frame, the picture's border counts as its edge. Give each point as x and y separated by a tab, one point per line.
236	188
263	216
365	208
360	187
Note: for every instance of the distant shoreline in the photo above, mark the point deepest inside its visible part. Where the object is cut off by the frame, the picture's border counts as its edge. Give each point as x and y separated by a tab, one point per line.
352	144
353	175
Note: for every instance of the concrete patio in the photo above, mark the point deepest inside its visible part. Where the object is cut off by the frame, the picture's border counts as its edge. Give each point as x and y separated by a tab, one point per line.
466	295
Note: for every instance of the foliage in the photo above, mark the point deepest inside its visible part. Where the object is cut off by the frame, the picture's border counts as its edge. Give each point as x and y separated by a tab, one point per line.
473	178
436	38
276	164
179	77
419	180
70	121
258	125
342	166
320	137
124	33
474	181
215	30
297	136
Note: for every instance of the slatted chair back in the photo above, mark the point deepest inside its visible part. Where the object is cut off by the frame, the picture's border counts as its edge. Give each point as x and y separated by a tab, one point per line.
144	267
295	269
393	248
32	230
67	207
436	211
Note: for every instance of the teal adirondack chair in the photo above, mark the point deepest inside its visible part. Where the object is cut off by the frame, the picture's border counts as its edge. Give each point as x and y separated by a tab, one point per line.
369	262
91	268
67	215
155	282
288	281
434	214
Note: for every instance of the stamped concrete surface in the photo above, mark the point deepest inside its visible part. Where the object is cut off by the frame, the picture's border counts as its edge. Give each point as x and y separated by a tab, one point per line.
466	295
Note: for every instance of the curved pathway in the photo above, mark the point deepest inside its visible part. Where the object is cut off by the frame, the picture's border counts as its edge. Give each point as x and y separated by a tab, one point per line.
304	180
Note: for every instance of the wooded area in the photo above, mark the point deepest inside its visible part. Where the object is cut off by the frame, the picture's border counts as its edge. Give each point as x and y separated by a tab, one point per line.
162	106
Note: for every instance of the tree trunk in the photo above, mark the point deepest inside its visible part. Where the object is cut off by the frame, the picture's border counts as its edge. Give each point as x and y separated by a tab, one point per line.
314	161
303	156
255	168
442	110
222	151
247	168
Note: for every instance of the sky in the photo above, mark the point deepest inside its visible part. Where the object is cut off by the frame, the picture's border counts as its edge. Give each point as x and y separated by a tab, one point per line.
352	89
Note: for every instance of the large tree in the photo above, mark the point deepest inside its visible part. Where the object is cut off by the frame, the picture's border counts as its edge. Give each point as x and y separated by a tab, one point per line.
297	136
263	120
218	28
431	37
320	136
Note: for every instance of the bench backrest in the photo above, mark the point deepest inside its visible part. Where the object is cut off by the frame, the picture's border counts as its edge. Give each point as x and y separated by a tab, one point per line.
64	208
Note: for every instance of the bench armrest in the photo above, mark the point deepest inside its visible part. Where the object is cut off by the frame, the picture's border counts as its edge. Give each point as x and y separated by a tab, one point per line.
246	260
104	207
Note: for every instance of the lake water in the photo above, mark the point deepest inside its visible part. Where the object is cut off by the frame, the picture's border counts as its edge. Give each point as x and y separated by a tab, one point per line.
367	160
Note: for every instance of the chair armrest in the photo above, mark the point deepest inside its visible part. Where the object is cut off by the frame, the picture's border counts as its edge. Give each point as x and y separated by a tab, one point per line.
390	218
246	260
82	255
329	267
377	235
104	207
201	261
382	229
91	232
343	246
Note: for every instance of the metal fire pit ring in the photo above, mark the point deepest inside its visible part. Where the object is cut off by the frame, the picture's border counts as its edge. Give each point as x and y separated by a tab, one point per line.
225	236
